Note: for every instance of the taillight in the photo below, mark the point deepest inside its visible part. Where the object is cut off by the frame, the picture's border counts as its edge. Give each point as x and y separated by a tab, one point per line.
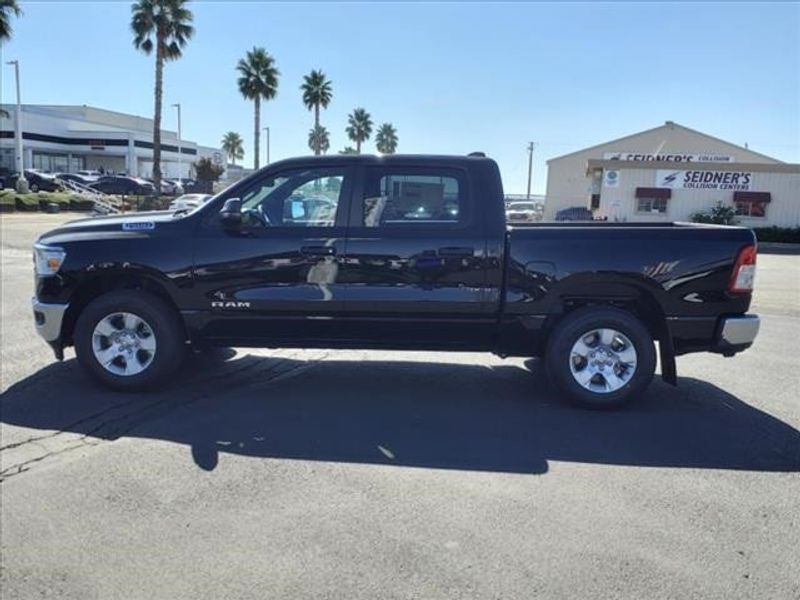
744	271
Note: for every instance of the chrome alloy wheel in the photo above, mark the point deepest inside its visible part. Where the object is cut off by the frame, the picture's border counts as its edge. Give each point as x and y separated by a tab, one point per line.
603	360
124	344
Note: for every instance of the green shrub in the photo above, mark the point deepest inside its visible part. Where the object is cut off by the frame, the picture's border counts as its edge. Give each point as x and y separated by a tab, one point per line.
27	202
57	197
7	202
720	214
786	235
153	203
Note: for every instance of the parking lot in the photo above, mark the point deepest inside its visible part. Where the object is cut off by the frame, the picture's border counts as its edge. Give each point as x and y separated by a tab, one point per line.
349	474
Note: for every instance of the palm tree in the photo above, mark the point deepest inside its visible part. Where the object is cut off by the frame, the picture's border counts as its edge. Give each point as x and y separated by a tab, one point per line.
386	139
318	140
359	127
258	79
163	26
7	8
233	146
316	92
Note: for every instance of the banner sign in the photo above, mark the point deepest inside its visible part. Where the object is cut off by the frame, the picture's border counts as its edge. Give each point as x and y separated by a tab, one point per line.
669	156
738	181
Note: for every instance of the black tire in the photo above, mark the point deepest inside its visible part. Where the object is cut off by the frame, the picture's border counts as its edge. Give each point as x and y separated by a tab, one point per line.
582	322
166	328
33	188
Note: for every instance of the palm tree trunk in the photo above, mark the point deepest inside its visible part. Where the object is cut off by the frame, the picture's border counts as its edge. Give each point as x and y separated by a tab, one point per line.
358	146
257	152
157	121
316	127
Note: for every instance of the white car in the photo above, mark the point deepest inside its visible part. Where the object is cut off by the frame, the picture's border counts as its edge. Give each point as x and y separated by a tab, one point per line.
171	187
90	175
189	201
522	211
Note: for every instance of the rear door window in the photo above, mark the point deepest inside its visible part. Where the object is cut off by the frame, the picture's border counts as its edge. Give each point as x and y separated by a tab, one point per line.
402	198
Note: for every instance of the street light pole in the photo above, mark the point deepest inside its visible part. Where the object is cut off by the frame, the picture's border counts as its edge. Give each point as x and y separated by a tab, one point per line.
267	130
22	183
180	159
531	146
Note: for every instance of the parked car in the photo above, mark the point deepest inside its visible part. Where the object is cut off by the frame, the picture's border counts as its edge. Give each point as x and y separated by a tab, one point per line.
40	181
574	213
189	201
590	298
75	178
171	187
522	211
6	174
124	186
90	174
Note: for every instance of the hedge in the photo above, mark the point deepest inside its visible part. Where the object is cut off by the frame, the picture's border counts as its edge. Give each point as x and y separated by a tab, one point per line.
10	200
786	235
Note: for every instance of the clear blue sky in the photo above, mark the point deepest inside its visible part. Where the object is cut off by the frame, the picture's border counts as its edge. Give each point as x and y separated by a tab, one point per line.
452	77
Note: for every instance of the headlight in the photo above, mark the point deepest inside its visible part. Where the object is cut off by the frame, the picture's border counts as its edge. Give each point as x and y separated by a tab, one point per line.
47	260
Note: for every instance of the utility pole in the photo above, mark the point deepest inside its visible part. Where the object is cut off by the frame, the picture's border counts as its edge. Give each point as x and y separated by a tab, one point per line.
531	146
22	183
267	130
180	159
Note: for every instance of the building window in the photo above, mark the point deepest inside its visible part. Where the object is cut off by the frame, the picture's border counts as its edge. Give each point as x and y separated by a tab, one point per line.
651	205
751	204
57	163
652	200
751	209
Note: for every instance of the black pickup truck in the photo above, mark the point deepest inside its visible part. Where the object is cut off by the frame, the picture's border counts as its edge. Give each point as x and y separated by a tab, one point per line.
393	252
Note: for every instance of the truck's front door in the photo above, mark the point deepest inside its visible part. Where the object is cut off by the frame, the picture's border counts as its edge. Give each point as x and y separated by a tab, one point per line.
414	274
275	279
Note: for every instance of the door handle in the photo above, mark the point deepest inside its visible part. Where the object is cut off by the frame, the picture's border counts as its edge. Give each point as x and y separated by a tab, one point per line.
456	252
318	250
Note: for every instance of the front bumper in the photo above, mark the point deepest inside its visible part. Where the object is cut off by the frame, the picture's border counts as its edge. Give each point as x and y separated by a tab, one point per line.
48	319
737	333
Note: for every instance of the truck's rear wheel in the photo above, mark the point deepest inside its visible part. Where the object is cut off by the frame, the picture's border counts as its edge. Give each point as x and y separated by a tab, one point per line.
129	340
601	357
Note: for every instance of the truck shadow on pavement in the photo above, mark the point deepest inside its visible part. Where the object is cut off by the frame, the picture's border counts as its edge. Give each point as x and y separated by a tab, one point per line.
413	414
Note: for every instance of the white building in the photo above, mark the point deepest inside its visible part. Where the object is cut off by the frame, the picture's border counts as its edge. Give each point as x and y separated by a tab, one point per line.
73	138
668	174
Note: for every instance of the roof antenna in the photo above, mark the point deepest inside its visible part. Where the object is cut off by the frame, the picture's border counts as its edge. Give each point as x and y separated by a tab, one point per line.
478	154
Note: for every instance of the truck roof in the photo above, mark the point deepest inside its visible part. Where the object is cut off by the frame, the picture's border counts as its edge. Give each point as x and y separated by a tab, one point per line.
385	159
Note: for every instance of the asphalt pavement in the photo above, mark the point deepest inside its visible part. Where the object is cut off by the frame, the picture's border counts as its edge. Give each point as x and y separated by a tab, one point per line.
349	474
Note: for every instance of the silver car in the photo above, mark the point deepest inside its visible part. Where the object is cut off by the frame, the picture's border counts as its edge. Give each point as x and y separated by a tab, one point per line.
189	201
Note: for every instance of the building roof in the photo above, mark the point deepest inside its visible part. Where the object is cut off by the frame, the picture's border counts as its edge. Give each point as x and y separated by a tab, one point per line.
666	125
621	165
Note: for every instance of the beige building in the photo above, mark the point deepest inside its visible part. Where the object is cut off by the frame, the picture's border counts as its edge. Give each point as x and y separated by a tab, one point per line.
669	173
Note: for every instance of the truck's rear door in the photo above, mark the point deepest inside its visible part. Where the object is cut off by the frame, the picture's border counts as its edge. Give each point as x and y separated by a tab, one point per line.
414	273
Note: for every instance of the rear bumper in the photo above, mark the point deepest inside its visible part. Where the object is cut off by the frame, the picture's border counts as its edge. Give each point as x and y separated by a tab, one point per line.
737	333
723	335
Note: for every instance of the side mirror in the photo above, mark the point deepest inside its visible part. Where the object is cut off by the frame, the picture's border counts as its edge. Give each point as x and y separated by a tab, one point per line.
231	213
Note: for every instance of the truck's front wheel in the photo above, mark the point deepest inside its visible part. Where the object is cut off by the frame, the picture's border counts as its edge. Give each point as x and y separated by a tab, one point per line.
601	357
129	340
